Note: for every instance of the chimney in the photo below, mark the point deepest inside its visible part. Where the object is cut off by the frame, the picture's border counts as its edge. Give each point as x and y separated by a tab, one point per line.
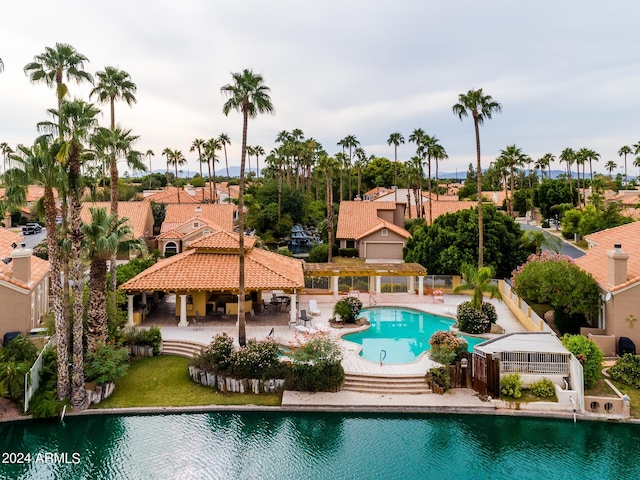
616	266
22	264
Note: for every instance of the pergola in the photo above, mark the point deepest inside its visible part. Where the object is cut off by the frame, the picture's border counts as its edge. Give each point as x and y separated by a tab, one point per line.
375	271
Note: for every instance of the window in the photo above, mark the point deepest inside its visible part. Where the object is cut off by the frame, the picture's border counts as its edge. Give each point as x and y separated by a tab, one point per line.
385	232
170	249
351	244
196	224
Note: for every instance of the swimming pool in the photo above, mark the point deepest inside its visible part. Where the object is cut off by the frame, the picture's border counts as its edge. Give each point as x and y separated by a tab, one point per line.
403	333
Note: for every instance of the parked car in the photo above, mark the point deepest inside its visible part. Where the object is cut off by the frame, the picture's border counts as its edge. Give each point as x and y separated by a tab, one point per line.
31	228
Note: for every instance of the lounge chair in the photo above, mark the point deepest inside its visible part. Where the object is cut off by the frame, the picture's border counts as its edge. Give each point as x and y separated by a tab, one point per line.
313	308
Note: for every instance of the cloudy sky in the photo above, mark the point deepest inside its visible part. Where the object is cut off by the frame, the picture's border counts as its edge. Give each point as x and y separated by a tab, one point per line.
567	73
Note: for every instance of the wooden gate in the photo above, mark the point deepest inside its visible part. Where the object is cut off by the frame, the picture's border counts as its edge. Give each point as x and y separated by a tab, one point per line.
459	376
486	375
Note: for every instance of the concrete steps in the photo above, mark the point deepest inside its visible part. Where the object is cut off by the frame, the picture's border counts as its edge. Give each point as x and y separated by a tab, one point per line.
398	384
184	348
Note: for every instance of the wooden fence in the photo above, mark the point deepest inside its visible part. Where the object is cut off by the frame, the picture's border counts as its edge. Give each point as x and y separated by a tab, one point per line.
486	375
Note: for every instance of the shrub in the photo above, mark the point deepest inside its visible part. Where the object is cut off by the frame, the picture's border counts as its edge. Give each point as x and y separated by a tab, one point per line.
543	388
511	385
217	356
106	364
490	312
151	337
12	379
471	320
348	309
588	354
319	253
316	364
446	347
255	359
348	252
440	376
627	370
20	349
44	404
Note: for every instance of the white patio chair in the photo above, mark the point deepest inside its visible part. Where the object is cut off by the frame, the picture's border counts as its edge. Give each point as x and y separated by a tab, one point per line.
313	307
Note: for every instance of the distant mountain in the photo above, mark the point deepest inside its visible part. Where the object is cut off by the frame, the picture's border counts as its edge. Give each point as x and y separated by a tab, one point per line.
234	171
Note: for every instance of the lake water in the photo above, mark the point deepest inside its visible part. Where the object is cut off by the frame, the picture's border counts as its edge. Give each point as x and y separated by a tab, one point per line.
275	445
403	333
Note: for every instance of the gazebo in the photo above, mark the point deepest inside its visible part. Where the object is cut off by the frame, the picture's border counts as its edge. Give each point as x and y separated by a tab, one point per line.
205	277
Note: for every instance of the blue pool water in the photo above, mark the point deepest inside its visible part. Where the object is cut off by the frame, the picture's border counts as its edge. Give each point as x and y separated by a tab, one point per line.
318	446
403	333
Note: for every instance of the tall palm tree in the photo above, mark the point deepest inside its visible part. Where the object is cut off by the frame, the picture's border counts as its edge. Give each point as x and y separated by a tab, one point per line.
77	118
224	140
168	154
430	145
52	66
6	150
361	162
38	165
568	156
150	154
438	153
102	238
513	157
250	96
114	84
418	136
350	142
395	139
610	166
327	164
258	151
250	153
341	161
480	107
624	151
177	160
210	148
545	162
197	144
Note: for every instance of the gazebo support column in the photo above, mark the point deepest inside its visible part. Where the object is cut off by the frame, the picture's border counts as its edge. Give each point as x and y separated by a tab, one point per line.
144	298
420	286
183	311
293	311
378	287
412	284
334	281
129	310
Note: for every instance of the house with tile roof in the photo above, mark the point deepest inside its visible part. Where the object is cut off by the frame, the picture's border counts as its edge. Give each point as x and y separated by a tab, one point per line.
205	277
613	259
170	195
139	215
24	286
375	229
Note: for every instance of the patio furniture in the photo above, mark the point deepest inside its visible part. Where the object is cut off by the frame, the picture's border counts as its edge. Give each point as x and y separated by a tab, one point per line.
313	307
304	318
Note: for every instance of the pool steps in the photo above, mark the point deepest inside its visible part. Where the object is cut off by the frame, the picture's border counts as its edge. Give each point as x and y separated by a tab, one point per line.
371	383
184	348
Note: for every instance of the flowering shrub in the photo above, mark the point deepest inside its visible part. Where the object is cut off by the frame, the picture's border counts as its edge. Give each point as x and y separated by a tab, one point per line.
348	309
490	312
446	347
471	320
543	388
217	356
316	363
255	360
106	364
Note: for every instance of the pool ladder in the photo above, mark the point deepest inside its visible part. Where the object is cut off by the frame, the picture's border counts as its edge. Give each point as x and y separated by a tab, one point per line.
372	301
383	355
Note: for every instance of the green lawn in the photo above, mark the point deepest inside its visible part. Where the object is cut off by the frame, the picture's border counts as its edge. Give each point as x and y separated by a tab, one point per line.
634	397
164	382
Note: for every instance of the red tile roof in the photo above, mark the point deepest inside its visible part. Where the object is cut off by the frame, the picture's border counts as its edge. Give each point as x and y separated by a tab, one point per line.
178	214
138	213
357	219
39	267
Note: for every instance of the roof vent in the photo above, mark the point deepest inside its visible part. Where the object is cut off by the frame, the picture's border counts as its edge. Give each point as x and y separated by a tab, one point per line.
618	247
198	211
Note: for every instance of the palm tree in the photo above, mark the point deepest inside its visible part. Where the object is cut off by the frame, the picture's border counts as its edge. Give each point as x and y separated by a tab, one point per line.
150	154
102	239
430	144
224	140
480	107
438	153
6	150
540	240
568	156
114	84
591	156
478	280
327	164
610	166
1	65
395	139
341	161
210	148
545	162
177	160
38	165
513	157
418	136
361	161
77	119
250	96
168	154
350	142
53	65
624	151
250	153
257	151
197	144
636	162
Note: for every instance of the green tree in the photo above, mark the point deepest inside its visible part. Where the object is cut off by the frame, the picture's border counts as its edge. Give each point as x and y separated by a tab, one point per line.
479	281
588	354
396	139
550	194
211	148
480	107
250	96
442	248
623	152
513	157
538	240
